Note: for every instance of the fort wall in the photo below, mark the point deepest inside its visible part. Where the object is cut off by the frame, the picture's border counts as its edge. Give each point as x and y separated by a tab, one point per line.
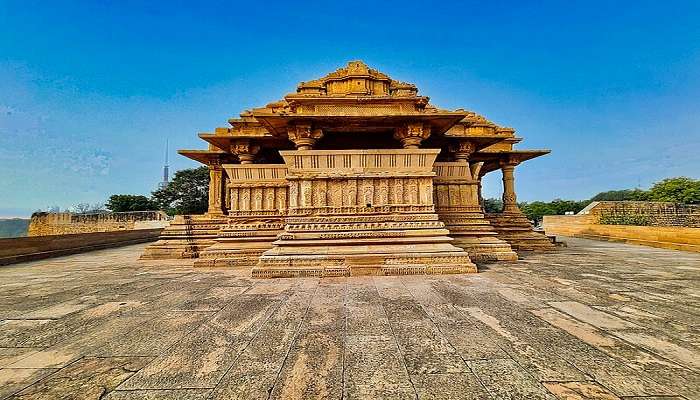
43	224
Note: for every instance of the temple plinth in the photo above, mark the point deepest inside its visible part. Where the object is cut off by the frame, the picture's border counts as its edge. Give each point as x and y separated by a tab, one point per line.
361	212
258	204
353	174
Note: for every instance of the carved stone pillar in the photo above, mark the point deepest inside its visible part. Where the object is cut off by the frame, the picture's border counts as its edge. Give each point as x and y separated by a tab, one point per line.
510	200
245	151
216	190
412	134
511	224
304	136
227	193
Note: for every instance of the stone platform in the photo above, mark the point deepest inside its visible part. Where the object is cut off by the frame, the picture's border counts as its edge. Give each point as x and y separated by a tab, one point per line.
595	320
185	237
516	229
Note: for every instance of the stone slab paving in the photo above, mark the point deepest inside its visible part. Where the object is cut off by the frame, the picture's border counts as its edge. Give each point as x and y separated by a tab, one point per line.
595	320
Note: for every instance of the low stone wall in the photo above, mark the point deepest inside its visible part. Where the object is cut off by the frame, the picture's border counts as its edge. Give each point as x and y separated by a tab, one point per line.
66	223
586	226
651	213
14	250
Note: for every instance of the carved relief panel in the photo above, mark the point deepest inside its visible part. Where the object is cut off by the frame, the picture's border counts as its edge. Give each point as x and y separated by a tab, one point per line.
260	188
360	178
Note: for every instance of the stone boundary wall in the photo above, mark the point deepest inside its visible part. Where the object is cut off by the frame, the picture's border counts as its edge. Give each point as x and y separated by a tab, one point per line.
652	212
14	250
43	224
586	226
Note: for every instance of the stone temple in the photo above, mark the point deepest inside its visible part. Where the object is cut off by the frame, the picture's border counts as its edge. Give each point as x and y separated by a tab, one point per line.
354	174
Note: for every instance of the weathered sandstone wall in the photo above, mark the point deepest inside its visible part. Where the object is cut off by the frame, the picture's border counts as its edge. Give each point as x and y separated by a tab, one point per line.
586	226
43	224
653	213
14	250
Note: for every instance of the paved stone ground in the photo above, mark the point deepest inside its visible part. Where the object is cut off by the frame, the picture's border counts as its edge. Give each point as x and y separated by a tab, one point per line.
595	320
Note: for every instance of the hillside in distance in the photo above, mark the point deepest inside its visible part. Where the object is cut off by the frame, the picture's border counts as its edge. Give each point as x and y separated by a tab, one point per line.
13	227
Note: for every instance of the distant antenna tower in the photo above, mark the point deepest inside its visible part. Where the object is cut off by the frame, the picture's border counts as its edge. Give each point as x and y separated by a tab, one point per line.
166	167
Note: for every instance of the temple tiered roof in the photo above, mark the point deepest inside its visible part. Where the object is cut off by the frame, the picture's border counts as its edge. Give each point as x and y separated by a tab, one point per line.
363	100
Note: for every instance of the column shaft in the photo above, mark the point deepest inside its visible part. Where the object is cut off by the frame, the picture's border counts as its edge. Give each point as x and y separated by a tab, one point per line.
510	201
216	190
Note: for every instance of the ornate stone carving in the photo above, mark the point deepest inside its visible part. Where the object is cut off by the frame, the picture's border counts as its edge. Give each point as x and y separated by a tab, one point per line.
412	134
245	151
456	198
304	136
255	217
357	79
382	234
462	150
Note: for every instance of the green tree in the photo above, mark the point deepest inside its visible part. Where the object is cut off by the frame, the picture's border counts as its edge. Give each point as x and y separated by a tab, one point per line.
130	202
187	193
537	209
622	195
563	206
677	190
493	205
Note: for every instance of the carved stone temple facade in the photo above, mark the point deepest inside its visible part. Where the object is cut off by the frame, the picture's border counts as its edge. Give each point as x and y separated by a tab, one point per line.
354	174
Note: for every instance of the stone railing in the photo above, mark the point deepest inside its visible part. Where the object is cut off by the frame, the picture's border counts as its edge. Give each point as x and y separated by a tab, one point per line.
66	223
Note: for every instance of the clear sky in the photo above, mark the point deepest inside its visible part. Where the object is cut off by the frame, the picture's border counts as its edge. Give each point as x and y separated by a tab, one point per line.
89	91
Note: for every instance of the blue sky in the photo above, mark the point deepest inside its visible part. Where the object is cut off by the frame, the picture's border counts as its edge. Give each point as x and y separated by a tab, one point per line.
89	91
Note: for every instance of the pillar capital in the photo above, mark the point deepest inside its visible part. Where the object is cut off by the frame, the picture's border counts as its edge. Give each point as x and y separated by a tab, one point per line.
214	164
412	134
462	150
304	136
245	151
508	163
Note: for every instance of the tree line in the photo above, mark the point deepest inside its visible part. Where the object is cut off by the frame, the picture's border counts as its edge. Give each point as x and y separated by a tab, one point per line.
676	190
187	193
